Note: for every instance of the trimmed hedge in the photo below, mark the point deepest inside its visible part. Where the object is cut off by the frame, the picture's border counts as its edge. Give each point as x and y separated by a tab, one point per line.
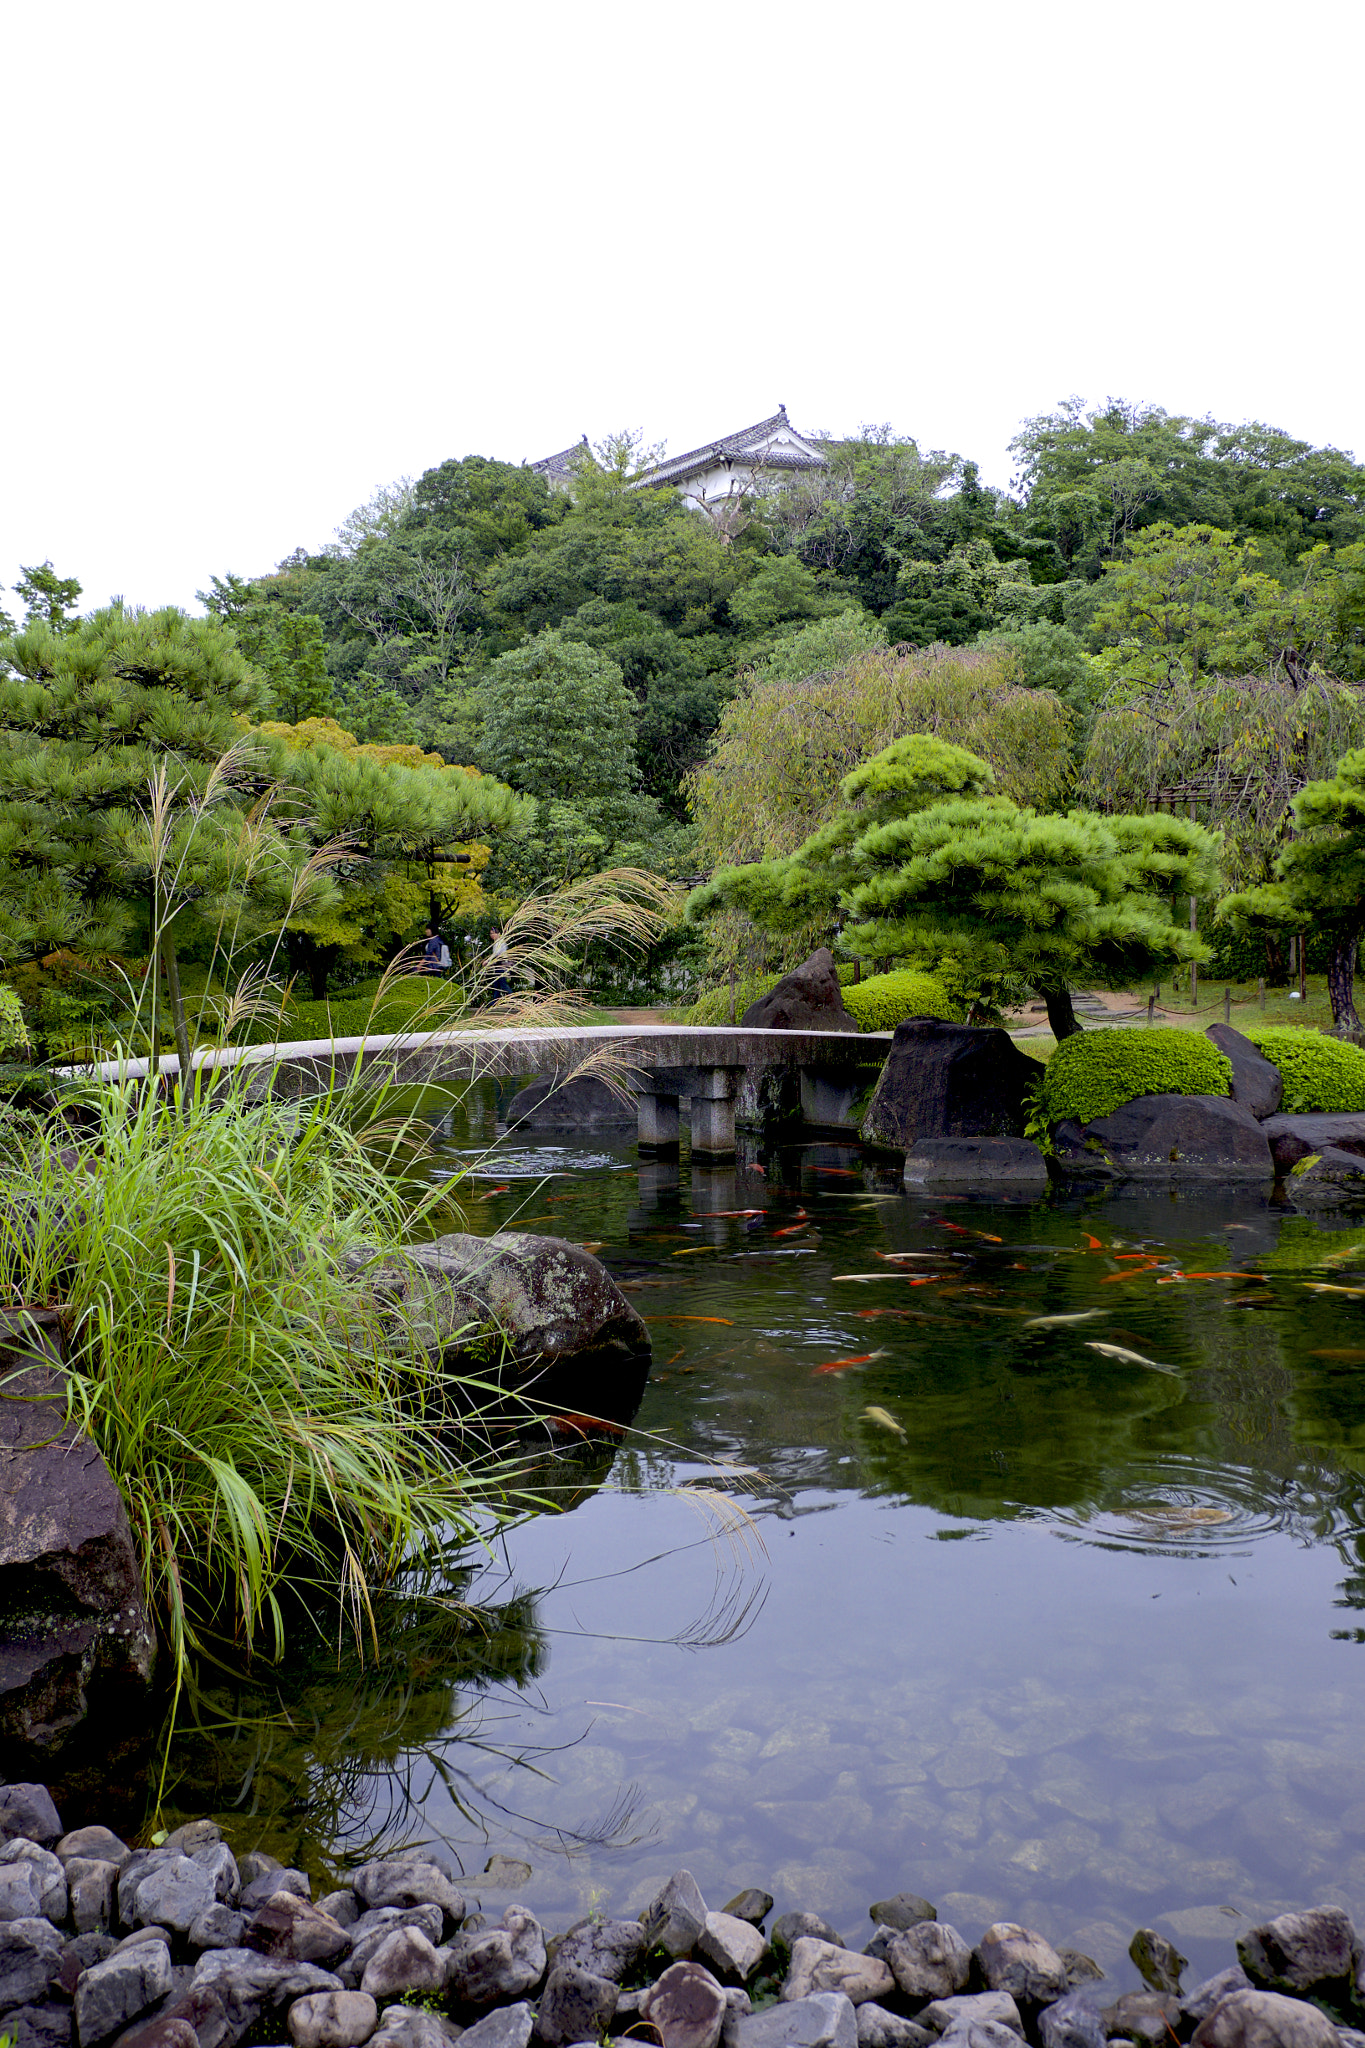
884	1000
1319	1073
1095	1072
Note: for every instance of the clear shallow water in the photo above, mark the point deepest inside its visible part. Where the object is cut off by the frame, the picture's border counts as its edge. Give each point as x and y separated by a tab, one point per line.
1054	1636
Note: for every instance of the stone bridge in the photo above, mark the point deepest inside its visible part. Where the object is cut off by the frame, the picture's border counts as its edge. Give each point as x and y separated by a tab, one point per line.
720	1071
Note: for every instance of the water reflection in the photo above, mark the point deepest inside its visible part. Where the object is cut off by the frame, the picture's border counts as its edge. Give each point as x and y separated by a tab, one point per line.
904	1585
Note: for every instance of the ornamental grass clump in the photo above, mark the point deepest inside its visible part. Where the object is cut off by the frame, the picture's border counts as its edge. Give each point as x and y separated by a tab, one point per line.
1326	1075
1096	1072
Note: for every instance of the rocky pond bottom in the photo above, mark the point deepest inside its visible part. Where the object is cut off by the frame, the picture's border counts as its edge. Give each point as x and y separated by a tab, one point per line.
1011	1555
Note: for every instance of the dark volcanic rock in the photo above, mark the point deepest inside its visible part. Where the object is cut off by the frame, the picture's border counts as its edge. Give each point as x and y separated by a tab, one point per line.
1256	1082
1293	1138
587	1104
1167	1138
807	999
949	1081
76	1639
997	1162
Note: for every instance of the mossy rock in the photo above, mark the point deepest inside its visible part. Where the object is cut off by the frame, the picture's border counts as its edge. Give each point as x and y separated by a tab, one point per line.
885	1000
1093	1073
1319	1073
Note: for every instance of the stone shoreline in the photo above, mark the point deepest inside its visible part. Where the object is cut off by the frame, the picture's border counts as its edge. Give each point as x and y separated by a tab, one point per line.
183	1945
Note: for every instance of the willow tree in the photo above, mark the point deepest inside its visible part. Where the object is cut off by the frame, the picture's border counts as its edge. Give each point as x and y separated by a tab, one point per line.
1319	882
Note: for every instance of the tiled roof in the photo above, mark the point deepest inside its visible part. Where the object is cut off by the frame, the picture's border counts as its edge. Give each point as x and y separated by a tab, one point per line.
562	465
748	443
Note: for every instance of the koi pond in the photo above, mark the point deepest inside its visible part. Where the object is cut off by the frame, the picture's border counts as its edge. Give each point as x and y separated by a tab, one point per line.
1007	1552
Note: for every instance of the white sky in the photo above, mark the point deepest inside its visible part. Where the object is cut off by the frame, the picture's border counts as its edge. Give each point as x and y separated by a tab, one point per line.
265	256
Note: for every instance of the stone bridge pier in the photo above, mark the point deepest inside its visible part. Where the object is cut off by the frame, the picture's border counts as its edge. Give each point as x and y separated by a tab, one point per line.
711	1094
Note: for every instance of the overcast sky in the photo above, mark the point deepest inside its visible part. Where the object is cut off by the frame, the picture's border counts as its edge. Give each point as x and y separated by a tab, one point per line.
266	256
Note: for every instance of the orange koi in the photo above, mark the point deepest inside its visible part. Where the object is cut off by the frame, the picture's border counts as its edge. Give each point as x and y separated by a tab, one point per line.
731	1212
494	1191
790	1230
1132	1273
1093	1242
843	1364
584	1425
1227	1276
845	1172
727	1320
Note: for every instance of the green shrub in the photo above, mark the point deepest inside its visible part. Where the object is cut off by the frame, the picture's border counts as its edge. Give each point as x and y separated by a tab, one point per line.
1319	1073
883	1000
1095	1072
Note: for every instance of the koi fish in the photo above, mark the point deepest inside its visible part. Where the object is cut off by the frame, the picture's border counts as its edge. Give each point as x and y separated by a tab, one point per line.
728	1321
902	1258
690	1250
734	1212
1123	1356
847	1172
593	1244
1329	1287
1134	1273
1344	1352
1228	1276
885	1420
961	1230
494	1191
843	1364
584	1425
790	1230
877	1276
1093	1243
1084	1315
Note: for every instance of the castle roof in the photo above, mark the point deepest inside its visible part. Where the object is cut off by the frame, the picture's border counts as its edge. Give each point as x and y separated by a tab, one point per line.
560	468
769	444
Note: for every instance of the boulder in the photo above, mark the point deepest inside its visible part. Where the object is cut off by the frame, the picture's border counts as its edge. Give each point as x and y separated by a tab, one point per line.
687	2005
1197	2004
100	1844
1301	1952
1256	1081
789	1927
975	1162
902	1912
1014	1959
824	2020
117	1990
971	2009
90	1884
372	1930
820	1966
949	1081
1167	1138
218	1926
32	1883
1073	2022
930	1960
27	1810
1147	2017
807	999
538	1303
270	1883
608	1948
248	1988
1265	2019
508	2026
404	1961
752	1904
1325	1177
585	1104
878	2028
500	1964
287	1926
76	1641
675	1917
46	2026
1293	1138
30	1958
734	1948
172	1893
332	2019
576	2005
1159	1960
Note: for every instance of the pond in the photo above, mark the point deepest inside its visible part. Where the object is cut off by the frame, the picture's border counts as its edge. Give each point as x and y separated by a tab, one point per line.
1011	1553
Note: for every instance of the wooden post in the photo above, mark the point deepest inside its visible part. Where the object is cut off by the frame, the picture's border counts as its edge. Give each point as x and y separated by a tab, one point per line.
1260	990
1151	1005
1227	1005
857	972
733	979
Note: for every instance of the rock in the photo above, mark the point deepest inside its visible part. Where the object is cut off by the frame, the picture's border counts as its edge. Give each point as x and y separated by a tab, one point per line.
343	1906
77	1641
1199	2003
163	2030
733	1947
270	1883
878	2028
43	2026
949	1081
1256	1083
218	1860
1300	1952
1293	1138
257	1863
930	1960
172	1894
372	1930
971	2009
194	1837
1142	2016
807	999
575	2005
25	1810
502	1964
606	1948
97	1845
820	1966
218	1926
30	1957
508	2027
825	2020
249	1987
1159	1961
983	1161
332	2019
1080	1968
1073	2022
585	1104
550	1301
197	2009
788	1929
404	1961
687	2005
1167	1138
904	1911
90	1884
32	1882
411	2026
751	1904
1325	1176
116	1991
1265	2019
673	1921
289	1926
79	1956
978	2034
152	1933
